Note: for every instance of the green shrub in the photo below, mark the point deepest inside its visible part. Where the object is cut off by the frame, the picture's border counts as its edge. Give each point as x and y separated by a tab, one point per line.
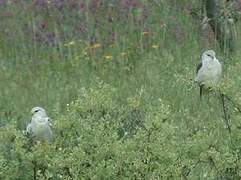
88	144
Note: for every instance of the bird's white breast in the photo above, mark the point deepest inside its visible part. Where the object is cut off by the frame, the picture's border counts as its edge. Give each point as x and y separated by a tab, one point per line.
210	73
40	127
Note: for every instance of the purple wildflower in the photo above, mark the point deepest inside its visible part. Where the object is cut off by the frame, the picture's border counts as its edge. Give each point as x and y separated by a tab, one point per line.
58	4
94	5
40	3
73	4
2	2
82	6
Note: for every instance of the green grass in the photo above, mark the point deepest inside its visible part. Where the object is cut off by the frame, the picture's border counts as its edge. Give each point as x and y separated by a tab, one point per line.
157	65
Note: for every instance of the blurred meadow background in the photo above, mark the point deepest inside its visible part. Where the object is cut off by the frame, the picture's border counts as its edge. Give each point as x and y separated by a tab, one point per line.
116	79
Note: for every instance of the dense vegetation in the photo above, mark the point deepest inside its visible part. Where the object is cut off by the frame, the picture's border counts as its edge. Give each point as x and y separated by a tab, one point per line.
116	79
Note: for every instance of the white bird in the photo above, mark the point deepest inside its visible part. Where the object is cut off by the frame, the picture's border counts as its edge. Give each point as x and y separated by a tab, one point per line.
209	71
39	127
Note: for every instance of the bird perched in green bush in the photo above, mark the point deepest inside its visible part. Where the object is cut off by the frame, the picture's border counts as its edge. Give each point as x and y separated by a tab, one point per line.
39	128
209	71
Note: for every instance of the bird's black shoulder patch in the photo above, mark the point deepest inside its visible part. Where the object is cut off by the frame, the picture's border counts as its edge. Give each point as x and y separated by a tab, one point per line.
198	67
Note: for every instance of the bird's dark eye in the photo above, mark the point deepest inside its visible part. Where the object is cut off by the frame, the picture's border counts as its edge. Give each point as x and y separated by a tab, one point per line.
37	110
210	56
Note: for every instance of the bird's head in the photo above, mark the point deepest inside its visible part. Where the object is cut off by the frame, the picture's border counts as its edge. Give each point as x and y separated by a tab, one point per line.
38	110
208	55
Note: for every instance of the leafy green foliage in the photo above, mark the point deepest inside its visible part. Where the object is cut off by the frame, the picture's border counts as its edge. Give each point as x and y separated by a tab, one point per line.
87	143
116	81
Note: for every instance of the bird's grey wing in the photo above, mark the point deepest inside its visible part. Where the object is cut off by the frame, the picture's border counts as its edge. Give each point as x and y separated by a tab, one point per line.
29	129
198	67
199	75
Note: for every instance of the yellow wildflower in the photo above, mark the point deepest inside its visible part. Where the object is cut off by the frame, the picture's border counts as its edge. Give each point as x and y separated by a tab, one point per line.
108	57
71	43
95	46
144	33
155	46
